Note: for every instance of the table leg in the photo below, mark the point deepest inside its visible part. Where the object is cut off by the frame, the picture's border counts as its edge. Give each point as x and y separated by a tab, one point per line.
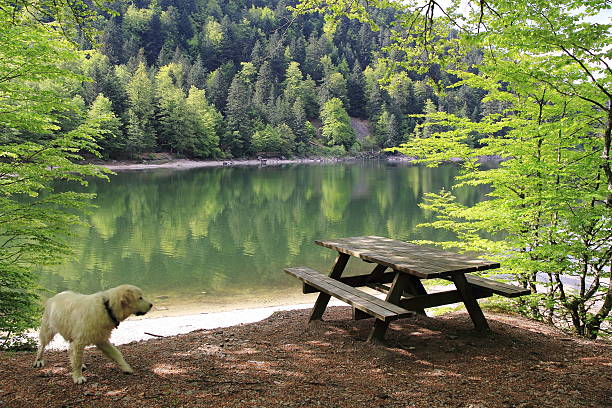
471	304
321	304
375	276
377	273
400	283
377	334
416	288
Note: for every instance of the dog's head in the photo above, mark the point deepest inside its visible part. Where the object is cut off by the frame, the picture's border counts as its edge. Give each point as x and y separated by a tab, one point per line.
132	300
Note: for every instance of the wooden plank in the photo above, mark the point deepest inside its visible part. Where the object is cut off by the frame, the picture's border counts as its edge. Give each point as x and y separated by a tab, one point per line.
413	259
359	315
436	260
469	300
357	281
435	299
412	302
377	244
348	297
374	244
379	287
323	299
499	288
400	283
415	288
333	282
363	301
378	274
377	334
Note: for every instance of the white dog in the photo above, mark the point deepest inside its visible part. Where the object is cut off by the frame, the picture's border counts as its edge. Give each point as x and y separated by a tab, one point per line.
89	319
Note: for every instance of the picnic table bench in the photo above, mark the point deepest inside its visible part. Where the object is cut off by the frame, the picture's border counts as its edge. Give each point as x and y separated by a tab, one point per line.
405	294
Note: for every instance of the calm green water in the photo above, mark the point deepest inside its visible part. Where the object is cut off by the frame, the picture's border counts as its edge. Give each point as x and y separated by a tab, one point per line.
231	231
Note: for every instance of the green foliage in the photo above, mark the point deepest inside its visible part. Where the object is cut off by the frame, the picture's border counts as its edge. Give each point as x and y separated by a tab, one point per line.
548	113
272	66
336	127
102	117
34	219
544	70
274	140
239	113
206	125
141	134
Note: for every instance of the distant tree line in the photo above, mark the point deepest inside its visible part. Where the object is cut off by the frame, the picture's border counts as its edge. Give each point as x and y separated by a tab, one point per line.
239	78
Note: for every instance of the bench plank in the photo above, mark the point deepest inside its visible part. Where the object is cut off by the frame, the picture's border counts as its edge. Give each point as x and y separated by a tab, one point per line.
499	288
358	280
372	305
345	295
315	275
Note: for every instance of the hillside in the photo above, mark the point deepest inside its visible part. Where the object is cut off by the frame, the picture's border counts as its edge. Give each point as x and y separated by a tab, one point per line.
208	79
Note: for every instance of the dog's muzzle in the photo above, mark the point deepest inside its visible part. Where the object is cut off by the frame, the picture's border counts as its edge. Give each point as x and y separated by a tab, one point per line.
144	313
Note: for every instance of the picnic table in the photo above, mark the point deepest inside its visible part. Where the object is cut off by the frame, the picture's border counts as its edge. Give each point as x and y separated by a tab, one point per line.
405	293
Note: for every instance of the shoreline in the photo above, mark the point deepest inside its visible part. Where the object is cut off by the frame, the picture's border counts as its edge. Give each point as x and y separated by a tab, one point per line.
138	329
171	319
186	164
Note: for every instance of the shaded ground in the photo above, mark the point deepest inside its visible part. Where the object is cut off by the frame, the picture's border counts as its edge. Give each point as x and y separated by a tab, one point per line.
426	362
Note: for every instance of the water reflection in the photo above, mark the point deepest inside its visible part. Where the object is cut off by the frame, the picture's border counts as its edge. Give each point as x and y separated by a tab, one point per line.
228	231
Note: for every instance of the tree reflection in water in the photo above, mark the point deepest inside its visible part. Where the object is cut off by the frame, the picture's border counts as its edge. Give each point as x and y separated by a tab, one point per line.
228	231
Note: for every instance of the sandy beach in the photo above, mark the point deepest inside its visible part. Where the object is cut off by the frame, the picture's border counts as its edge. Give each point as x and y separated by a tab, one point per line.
181	319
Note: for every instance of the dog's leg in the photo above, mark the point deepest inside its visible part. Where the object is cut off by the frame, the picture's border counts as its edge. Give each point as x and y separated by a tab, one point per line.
114	354
76	360
45	335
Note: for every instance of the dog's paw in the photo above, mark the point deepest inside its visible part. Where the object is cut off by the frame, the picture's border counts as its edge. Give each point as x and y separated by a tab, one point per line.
127	370
78	379
38	363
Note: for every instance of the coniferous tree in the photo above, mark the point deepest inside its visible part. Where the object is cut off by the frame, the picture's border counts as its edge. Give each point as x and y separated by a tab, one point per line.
197	75
280	112
373	94
312	58
111	41
264	85
258	54
293	82
240	113
355	89
104	80
152	40
333	86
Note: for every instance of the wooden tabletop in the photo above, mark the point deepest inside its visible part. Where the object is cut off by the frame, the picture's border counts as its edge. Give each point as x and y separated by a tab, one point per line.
416	260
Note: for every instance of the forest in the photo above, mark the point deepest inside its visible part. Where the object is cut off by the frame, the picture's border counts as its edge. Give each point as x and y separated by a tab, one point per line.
216	79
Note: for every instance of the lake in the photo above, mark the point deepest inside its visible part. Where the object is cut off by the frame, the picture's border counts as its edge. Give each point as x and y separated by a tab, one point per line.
219	238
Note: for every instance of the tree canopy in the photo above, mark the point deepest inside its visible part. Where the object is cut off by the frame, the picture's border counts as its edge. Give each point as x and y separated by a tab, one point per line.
40	144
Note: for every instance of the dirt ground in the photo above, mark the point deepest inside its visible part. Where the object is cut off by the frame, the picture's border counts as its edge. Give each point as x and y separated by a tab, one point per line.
426	362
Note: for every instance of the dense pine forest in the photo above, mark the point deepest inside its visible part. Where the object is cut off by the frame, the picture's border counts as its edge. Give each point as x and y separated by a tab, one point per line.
240	78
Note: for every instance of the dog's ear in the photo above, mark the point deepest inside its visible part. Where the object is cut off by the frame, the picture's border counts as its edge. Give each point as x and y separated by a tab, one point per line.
127	298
